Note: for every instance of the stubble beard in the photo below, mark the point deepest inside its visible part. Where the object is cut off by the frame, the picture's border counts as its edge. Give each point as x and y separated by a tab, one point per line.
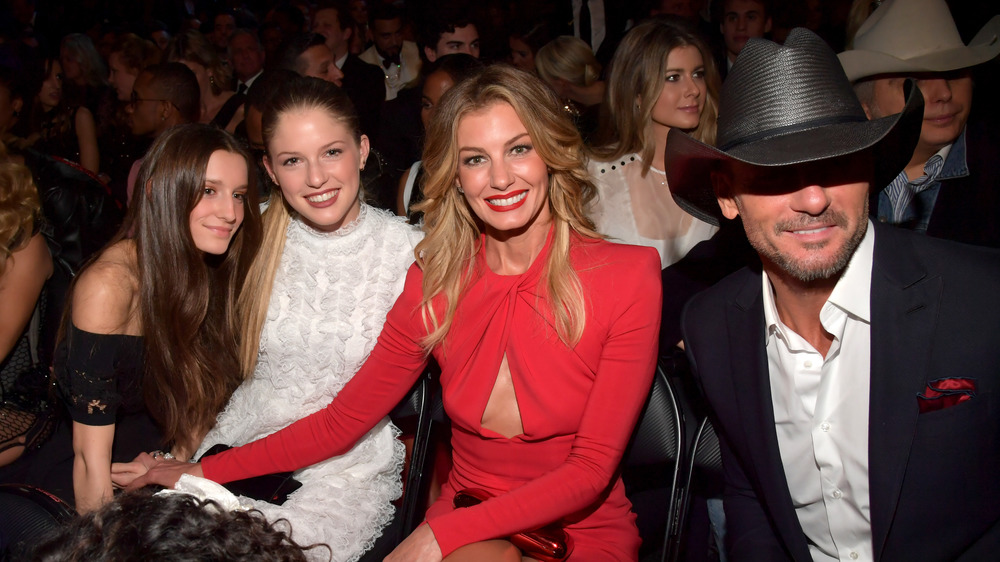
804	271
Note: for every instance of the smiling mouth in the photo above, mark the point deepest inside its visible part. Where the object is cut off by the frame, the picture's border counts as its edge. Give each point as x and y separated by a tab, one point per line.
221	231
810	231
322	197
941	118
511	202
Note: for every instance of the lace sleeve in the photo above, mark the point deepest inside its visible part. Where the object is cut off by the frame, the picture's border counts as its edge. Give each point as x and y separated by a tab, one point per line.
96	373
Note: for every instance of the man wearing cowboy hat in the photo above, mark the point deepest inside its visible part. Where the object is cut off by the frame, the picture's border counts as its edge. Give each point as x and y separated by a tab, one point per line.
948	188
853	373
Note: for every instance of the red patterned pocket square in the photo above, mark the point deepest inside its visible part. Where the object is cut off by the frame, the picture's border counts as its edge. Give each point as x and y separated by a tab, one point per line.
945	393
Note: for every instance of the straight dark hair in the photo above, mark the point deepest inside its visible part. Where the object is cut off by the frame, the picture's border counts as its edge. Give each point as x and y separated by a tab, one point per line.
187	299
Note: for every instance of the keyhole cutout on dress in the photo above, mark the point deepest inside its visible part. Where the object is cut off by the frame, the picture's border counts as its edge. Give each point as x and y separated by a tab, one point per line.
502	414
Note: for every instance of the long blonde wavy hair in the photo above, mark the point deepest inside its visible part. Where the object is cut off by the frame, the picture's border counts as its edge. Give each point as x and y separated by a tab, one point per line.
299	94
635	81
452	231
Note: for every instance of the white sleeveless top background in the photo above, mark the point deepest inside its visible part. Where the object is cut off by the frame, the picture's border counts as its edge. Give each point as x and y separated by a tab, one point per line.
637	210
331	294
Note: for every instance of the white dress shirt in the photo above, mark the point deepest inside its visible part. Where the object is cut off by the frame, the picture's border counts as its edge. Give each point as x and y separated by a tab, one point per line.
598	28
821	414
398	76
249	82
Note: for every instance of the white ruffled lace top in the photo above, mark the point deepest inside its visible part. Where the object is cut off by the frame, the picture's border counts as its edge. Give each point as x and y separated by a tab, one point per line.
331	294
632	209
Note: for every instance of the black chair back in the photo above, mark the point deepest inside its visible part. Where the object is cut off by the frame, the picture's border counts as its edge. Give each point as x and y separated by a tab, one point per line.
27	513
652	469
703	475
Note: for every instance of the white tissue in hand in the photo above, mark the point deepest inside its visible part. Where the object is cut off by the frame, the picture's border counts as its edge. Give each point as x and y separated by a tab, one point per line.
204	489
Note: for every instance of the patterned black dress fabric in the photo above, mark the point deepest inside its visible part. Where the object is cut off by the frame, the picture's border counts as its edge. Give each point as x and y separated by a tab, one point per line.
99	378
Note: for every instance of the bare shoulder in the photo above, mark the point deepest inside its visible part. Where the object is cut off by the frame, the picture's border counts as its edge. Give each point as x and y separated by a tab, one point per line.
106	295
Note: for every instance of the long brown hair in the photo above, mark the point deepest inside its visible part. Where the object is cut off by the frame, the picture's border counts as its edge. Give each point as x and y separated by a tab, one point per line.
300	94
452	229
187	300
635	82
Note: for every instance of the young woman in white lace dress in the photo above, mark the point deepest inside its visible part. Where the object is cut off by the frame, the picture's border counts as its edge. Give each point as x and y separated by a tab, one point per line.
662	77
317	295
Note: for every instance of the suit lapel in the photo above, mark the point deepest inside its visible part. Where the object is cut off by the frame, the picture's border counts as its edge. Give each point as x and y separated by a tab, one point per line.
904	302
752	388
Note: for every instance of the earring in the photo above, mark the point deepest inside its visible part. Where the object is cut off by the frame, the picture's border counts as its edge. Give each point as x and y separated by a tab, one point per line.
211	80
460	190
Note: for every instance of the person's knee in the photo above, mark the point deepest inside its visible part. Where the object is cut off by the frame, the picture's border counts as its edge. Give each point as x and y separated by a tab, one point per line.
493	551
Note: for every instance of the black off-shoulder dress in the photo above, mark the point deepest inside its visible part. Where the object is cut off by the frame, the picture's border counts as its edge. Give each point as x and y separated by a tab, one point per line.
99	379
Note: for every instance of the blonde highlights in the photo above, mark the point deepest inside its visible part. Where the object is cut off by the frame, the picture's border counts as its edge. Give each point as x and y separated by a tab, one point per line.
20	209
452	231
300	94
636	79
568	58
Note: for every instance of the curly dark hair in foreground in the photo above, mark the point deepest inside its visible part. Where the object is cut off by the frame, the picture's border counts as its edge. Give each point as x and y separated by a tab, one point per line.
139	526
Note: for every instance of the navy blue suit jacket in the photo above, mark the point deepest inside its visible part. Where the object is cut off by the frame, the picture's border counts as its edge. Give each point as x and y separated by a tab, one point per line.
934	477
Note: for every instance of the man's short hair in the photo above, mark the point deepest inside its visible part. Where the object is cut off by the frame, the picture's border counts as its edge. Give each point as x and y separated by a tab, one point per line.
175	83
384	12
342	8
719	9
251	33
442	18
267	86
292	48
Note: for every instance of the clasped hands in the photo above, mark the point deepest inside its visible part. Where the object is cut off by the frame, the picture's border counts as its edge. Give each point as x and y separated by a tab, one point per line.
148	469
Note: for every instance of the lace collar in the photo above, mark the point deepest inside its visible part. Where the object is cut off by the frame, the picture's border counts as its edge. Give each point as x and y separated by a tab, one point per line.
341	232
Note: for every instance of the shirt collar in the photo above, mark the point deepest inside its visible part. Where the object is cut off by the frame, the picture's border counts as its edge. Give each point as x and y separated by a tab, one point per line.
852	293
249	81
340	62
955	165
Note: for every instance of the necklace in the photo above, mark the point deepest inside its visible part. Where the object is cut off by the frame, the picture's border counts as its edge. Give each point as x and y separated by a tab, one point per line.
660	172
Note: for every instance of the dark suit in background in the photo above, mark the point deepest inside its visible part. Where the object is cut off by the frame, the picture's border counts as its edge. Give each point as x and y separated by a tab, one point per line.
365	85
616	18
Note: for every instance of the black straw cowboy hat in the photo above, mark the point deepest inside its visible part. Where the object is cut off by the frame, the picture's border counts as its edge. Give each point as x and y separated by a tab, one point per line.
787	105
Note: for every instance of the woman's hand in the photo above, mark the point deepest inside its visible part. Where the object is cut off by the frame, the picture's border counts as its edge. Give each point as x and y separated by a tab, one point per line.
123	473
420	546
163	472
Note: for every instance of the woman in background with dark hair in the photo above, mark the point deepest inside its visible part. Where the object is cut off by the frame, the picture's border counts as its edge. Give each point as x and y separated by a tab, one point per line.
61	129
85	75
149	346
220	106
524	43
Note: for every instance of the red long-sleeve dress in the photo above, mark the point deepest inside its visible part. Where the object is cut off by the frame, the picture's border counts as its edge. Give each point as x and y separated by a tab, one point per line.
578	405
